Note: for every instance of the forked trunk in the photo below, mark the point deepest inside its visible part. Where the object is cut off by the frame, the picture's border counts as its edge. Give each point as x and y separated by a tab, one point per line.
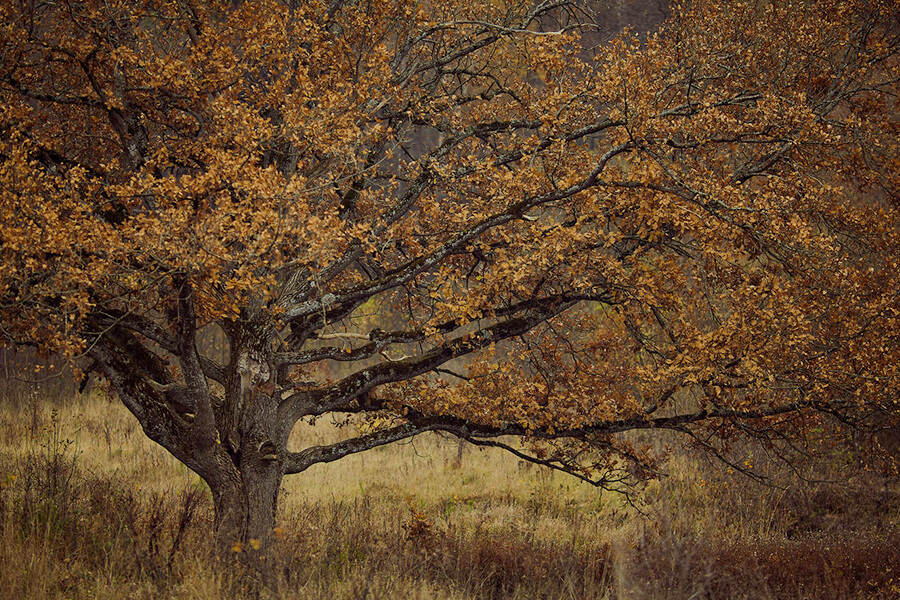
254	437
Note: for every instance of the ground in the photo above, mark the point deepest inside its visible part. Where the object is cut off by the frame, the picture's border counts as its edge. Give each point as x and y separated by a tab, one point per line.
89	508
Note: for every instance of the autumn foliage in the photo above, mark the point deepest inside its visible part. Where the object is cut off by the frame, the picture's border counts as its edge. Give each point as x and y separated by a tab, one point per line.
495	227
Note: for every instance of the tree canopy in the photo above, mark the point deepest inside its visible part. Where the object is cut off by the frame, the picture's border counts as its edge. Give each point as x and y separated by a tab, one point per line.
455	216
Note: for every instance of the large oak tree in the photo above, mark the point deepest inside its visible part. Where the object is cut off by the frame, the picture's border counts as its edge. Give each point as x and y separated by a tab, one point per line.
453	216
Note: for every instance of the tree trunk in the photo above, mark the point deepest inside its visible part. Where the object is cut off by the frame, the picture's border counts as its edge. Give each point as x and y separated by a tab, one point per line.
245	505
255	438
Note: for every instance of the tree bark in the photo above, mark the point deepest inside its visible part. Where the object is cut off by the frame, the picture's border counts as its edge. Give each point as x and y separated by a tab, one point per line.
239	455
255	438
245	504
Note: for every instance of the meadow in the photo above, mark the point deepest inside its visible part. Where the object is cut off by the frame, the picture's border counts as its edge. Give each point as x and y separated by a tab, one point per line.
89	508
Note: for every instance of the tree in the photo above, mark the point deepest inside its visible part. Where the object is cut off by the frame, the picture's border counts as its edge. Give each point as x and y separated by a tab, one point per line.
693	232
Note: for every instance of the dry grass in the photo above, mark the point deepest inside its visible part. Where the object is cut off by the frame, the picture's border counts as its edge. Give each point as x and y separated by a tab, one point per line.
91	509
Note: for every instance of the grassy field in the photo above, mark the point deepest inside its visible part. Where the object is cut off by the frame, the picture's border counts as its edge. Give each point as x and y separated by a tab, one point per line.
89	508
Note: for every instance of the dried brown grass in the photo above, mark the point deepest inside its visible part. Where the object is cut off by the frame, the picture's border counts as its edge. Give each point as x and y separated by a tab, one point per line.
90	509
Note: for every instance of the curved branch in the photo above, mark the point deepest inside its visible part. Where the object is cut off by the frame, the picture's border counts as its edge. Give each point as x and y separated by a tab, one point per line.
296	462
549	463
481	435
380	339
342	395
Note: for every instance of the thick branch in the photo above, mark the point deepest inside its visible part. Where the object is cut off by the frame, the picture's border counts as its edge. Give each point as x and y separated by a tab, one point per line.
379	339
482	435
135	378
297	462
204	425
154	332
342	395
